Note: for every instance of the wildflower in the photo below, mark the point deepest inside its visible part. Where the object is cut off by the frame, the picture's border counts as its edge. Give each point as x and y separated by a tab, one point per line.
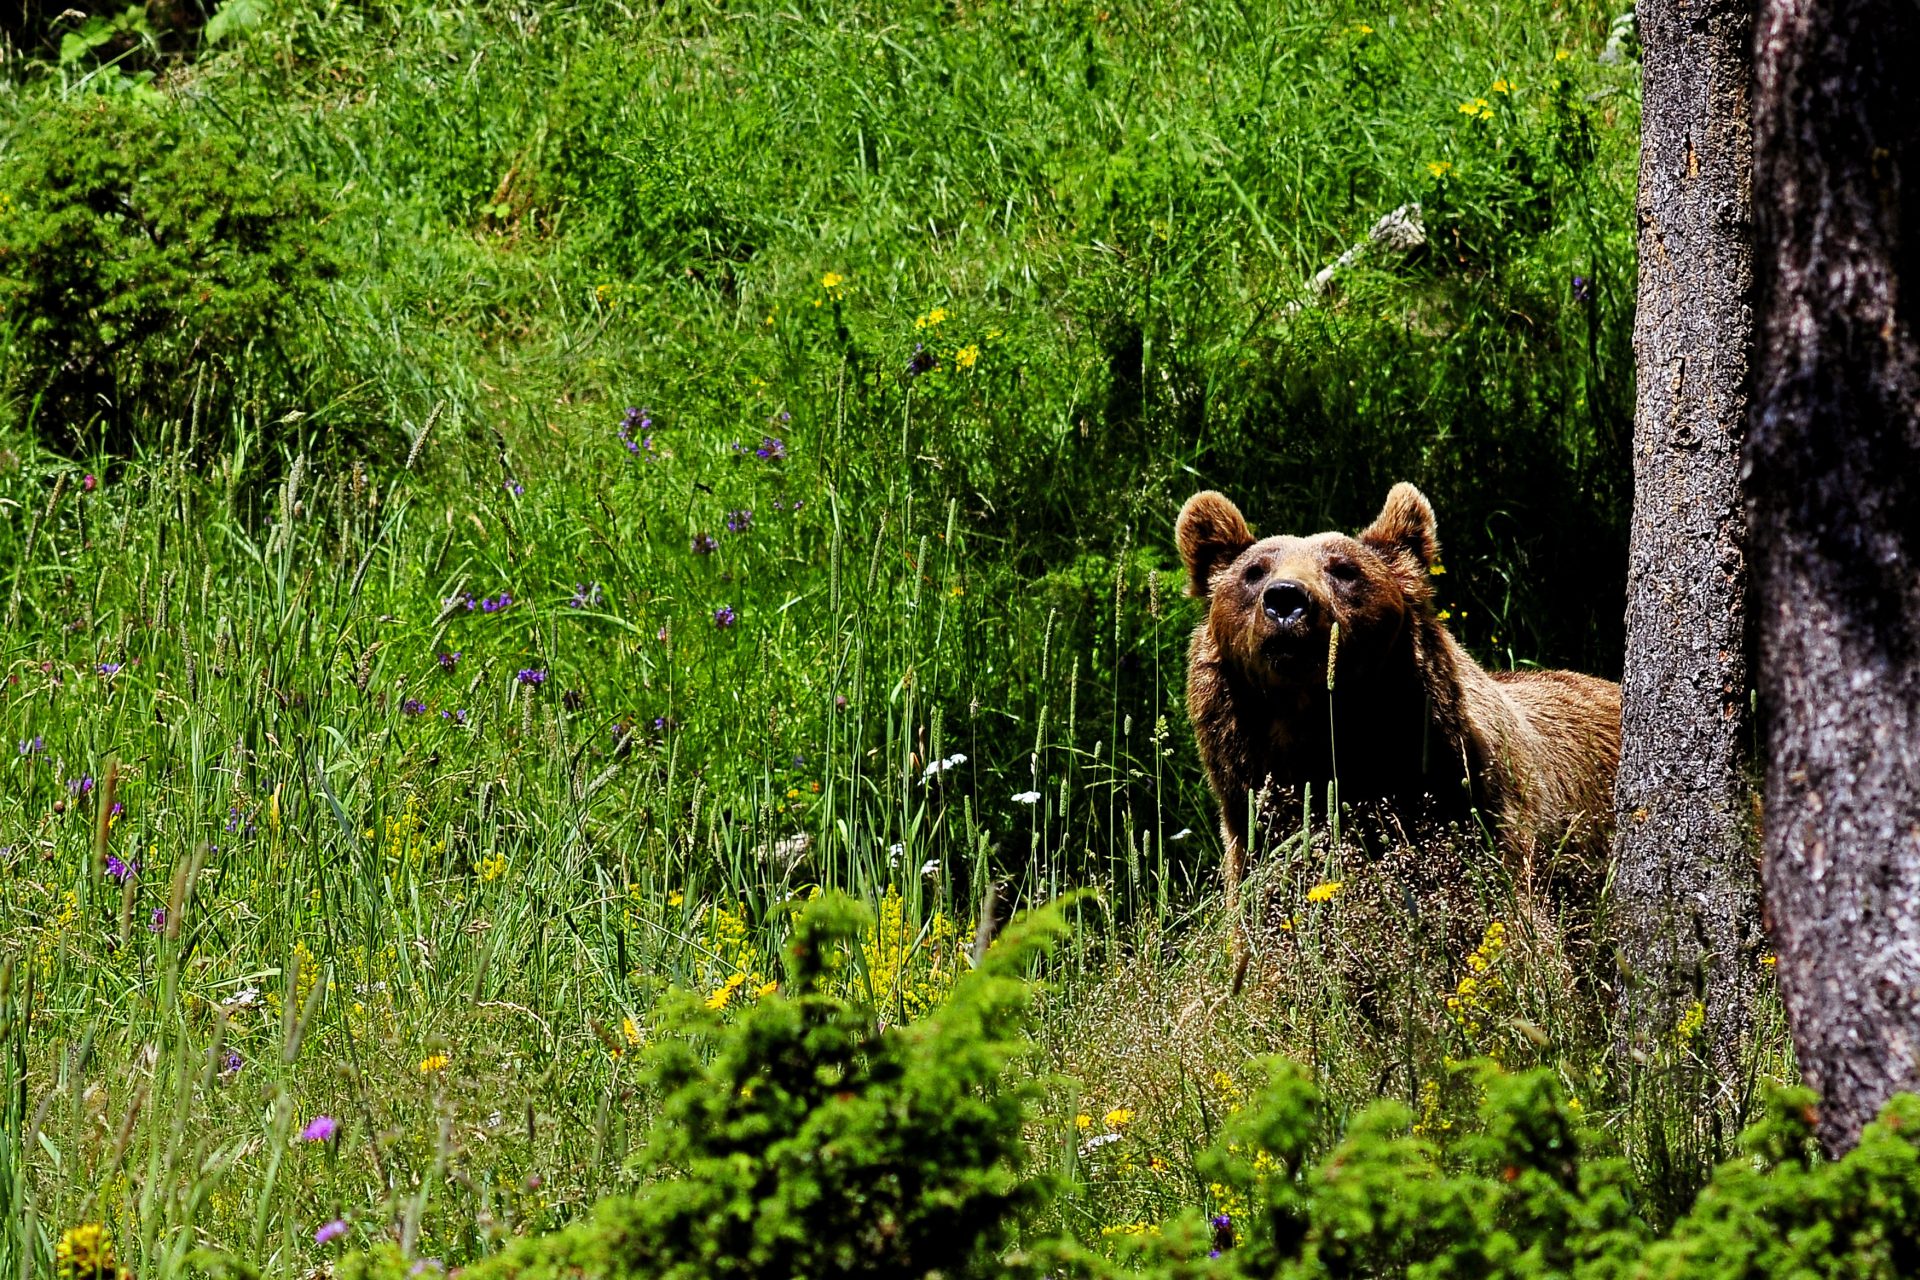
458	717
1690	1022
514	487
726	991
675	898
1118	1118
85	1252
1477	109
585	597
119	869
1026	797
1561	55
739	521
33	745
932	320
320	1129
157	922
939	767
90	482
1439	168
448	661
832	281
330	1232
766	989
1582	289
1502	85
772	448
1181	834
425	1265
230	1064
1083	1121
492	868
414	707
967	356
534	676
704	544
109	669
433	1063
630	1029
1093	1144
1325	891
80	786
921	361
724	616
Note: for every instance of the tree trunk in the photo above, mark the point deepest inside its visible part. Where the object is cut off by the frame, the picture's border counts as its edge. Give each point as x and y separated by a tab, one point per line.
1833	493
1686	890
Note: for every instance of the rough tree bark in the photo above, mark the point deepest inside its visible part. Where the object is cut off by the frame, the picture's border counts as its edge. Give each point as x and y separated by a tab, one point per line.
1686	890
1833	492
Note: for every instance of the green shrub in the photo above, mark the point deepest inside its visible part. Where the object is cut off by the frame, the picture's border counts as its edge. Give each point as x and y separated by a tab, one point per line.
806	1138
803	1138
136	256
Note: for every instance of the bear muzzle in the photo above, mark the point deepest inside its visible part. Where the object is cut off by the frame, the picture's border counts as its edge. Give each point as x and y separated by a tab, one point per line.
1287	605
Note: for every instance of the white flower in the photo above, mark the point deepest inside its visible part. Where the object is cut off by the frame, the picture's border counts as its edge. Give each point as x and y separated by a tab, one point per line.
893	854
245	998
931	867
1092	1145
1181	834
941	766
1026	797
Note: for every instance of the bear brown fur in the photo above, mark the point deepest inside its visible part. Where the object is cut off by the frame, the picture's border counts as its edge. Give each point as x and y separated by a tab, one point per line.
1390	707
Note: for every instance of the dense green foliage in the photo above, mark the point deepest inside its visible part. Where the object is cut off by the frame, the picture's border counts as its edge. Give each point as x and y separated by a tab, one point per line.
139	257
809	1140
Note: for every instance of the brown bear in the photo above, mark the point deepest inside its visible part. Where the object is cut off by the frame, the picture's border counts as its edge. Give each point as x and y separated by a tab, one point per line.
1321	659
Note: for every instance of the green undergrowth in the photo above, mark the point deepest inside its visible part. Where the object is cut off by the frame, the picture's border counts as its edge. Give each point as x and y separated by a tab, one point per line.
806	1138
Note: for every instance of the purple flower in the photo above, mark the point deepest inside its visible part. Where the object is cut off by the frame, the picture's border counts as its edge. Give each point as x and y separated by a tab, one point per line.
724	616
414	707
772	448
704	544
157	922
922	361
448	661
116	810
515	488
739	521
1582	289
586	597
33	745
80	786
230	1064
119	869
636	422
458	717
330	1232
238	824
320	1129
425	1265
535	676
90	482
109	669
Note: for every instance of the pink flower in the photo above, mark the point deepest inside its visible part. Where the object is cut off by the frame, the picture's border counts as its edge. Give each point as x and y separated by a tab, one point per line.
330	1231
320	1129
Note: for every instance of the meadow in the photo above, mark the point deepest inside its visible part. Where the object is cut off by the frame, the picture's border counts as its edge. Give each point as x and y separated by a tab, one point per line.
590	477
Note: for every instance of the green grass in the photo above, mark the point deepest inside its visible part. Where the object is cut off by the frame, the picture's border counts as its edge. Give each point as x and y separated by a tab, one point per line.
547	213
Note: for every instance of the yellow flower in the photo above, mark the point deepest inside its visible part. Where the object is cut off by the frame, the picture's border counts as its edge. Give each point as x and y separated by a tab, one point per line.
630	1029
433	1062
84	1253
675	898
1083	1121
1503	85
1768	962
1119	1117
1437	569
967	356
832	281
1362	29
726	990
1439	168
766	989
1324	892
932	320
1561	55
493	868
1690	1022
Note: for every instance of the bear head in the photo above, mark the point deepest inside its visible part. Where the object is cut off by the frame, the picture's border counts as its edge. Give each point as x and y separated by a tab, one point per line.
1273	602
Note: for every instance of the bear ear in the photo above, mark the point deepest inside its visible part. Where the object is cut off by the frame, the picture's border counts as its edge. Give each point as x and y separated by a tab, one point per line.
1405	527
1212	533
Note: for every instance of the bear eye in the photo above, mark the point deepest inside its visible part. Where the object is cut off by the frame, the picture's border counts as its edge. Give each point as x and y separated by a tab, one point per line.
1254	572
1343	570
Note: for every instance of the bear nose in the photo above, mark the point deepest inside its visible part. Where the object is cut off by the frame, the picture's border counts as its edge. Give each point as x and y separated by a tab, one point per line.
1286	602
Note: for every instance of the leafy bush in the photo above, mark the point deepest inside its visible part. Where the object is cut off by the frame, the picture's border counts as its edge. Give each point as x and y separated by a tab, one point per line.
134	255
803	1138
